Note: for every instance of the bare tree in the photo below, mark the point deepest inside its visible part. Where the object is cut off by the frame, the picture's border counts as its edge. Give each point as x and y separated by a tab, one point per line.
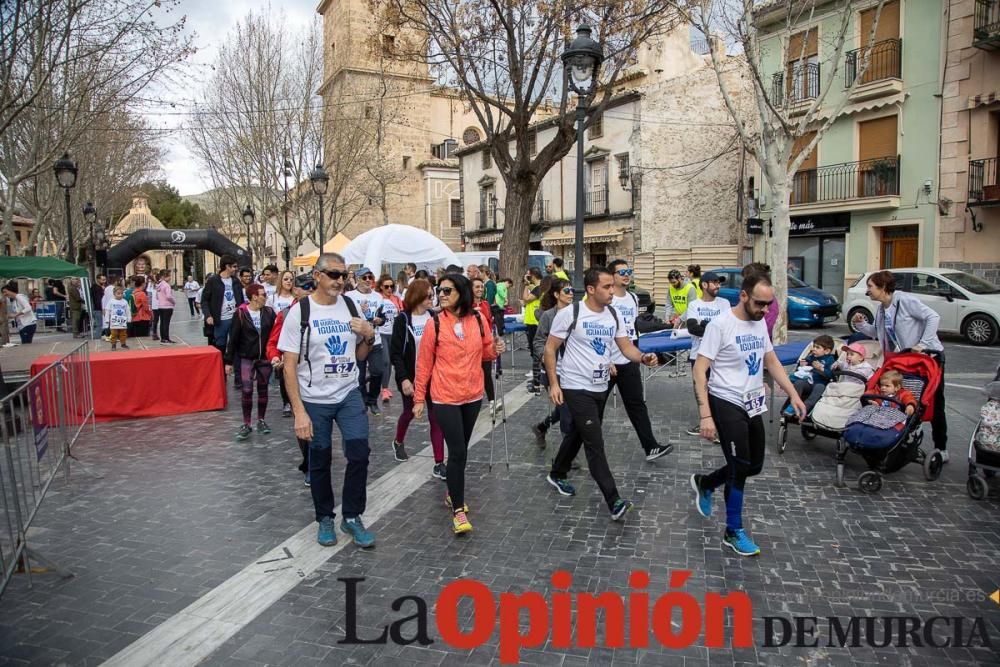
66	67
505	57
772	135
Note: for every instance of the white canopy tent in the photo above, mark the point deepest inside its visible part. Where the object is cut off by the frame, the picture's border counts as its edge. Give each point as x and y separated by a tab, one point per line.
398	244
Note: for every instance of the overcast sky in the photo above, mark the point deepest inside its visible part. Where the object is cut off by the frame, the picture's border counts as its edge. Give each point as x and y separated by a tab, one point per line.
211	20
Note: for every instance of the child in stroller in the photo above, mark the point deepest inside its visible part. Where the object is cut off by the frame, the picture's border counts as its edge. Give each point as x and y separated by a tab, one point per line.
813	373
886	430
984	446
855	363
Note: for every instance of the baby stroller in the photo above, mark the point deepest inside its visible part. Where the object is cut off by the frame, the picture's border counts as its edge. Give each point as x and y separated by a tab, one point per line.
984	446
888	449
840	400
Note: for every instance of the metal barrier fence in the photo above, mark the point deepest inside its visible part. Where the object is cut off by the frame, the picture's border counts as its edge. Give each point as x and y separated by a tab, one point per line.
39	424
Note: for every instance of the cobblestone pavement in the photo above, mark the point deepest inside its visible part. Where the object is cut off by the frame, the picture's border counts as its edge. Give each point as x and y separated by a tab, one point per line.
161	512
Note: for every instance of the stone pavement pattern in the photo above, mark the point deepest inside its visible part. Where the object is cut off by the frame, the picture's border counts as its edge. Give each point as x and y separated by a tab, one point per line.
179	507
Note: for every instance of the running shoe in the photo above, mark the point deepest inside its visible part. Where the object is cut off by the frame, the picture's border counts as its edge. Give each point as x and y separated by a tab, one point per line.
386	395
620	509
789	410
286	411
702	499
125	347
540	430
306	481
373	408
326	535
356	529
262	427
694	430
460	523
562	486
155	337
529	375
447	501
658	451
244	432
399	451
944	455
440	471
738	541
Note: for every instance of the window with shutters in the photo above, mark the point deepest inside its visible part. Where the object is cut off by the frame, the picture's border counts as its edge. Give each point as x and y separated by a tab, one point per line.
596	127
804	182
456	212
878	162
802	66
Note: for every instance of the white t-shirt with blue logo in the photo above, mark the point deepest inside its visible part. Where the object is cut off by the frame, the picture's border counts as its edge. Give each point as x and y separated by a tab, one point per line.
736	349
628	310
368	305
701	310
228	300
117	315
586	360
332	351
417	324
389	312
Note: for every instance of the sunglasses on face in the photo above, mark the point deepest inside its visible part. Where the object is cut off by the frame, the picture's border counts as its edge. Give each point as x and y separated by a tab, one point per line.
445	291
334	275
624	272
388	286
762	304
367	276
568	290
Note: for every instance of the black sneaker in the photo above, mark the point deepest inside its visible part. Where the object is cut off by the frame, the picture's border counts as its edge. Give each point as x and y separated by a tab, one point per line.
262	427
440	471
620	509
374	410
658	451
694	430
399	451
244	432
539	430
286	411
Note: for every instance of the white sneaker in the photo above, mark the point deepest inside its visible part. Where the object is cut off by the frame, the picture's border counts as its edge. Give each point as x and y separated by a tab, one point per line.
529	375
944	455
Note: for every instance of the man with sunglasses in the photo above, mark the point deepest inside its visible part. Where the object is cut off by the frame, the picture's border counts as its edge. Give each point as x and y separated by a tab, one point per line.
731	401
322	342
370	370
628	376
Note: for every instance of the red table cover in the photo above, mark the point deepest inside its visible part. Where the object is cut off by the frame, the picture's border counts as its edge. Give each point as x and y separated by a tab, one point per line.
131	384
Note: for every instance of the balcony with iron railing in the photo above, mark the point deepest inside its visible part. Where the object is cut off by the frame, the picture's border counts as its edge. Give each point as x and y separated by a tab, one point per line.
540	211
884	73
861	185
795	91
986	25
984	186
487	219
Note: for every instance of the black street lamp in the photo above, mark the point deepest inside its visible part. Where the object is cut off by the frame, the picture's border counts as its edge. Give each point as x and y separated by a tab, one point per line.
90	216
320	181
286	171
582	61
248	218
65	170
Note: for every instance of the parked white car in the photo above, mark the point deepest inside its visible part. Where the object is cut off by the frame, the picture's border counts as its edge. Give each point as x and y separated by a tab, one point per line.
967	305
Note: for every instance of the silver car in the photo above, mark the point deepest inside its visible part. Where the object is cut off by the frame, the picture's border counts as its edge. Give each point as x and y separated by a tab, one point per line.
968	305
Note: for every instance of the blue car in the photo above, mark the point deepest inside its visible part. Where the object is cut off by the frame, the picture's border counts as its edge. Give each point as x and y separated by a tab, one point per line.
807	306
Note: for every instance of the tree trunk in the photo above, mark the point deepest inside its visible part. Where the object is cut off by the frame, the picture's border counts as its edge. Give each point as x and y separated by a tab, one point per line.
514	242
778	259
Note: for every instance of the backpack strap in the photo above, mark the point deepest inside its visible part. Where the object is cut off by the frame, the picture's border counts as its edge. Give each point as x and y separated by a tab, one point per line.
352	308
437	324
304	334
572	327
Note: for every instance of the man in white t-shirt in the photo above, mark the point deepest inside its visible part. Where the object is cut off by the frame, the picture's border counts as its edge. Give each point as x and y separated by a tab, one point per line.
731	401
220	298
370	370
269	277
590	330
627	375
321	378
699	313
191	288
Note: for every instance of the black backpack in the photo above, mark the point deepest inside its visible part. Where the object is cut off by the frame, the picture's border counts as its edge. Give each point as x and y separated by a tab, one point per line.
304	328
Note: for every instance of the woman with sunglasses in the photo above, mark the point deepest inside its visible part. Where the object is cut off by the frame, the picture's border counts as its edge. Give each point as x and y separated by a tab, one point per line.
392	305
407	331
455	343
558	296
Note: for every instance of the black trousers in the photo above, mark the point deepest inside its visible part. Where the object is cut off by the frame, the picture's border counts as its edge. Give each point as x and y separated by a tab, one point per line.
586	409
742	439
939	422
165	315
370	376
536	363
629	383
457	422
488	379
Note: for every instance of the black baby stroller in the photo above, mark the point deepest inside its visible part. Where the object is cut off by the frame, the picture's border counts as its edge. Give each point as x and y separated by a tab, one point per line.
984	446
884	446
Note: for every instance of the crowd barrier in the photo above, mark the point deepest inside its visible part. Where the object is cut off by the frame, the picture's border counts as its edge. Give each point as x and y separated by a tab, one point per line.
39	424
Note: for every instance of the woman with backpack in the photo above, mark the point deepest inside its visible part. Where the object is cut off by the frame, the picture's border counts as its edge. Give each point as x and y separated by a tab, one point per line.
407	330
450	377
555	298
248	337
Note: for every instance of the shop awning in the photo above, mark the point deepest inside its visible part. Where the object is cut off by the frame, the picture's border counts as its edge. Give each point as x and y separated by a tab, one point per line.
485	239
608	237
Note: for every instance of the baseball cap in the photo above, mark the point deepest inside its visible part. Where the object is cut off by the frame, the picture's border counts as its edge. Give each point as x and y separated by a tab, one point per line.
362	271
305	281
712	277
857	347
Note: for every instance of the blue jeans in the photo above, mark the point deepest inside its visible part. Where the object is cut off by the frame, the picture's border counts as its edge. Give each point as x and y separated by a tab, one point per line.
352	420
220	334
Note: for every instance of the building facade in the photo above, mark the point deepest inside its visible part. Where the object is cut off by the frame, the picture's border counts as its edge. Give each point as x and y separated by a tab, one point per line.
866	198
661	168
970	140
138	218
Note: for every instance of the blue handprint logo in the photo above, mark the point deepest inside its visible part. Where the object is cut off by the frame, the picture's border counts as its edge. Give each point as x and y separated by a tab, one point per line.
599	346
335	346
753	364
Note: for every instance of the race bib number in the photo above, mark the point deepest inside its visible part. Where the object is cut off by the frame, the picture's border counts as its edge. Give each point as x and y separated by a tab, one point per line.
600	374
753	402
339	367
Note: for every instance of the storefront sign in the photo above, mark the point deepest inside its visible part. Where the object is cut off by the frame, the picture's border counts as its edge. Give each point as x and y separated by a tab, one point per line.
816	225
755	226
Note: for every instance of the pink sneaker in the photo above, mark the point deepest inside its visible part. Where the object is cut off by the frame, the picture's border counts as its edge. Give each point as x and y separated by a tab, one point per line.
386	395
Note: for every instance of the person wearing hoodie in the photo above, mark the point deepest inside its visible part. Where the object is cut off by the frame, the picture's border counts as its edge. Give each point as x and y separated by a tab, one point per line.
166	301
248	335
455	343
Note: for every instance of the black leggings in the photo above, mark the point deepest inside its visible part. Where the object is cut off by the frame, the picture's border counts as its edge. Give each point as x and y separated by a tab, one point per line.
488	379
457	422
281	388
536	362
742	439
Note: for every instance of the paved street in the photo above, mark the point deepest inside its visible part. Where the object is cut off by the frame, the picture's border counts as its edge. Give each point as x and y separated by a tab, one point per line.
188	546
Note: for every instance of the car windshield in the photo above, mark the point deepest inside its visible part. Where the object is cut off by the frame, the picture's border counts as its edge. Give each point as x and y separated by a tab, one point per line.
972	283
795	282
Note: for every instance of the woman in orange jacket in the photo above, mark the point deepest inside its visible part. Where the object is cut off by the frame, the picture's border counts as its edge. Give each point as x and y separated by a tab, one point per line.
450	374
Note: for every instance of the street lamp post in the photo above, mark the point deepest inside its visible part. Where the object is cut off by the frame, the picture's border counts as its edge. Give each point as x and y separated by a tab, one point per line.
65	170
90	215
320	181
582	61
248	218
285	173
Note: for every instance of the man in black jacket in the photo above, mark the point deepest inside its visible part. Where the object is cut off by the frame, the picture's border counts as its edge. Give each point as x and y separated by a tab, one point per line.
222	296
